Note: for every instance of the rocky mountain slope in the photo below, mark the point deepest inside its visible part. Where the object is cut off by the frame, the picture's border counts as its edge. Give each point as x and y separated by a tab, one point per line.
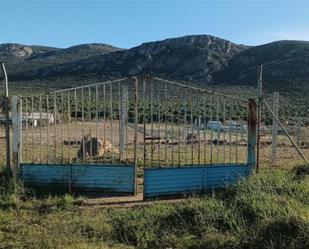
201	58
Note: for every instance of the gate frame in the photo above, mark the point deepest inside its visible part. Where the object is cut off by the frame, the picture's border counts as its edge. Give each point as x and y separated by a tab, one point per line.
17	119
181	183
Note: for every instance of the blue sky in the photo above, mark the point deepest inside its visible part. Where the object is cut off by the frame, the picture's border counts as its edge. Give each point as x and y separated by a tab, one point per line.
129	23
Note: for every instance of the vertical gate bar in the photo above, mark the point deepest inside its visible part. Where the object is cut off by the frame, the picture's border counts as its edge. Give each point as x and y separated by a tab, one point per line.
230	133
218	129
47	128
135	131
123	107
126	123
185	131
69	126
120	147
26	131
111	120
97	120
55	125
211	130
144	122
204	126
179	135
75	121
166	114
104	117
172	135
40	110
246	130
252	123
151	122
192	131
90	121
159	125
69	138
198	130
236	135
242	126
62	126
178	118
83	120
32	116
224	129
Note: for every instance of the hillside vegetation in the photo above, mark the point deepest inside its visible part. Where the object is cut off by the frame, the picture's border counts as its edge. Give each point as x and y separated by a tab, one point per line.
269	210
200	58
205	60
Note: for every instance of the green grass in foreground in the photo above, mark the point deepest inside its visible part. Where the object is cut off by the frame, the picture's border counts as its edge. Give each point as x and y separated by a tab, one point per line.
269	210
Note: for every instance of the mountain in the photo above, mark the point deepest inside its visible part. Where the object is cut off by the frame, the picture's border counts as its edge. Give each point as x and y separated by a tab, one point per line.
201	59
284	63
22	58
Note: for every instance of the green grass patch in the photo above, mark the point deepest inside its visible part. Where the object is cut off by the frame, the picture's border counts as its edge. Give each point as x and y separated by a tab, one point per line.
268	210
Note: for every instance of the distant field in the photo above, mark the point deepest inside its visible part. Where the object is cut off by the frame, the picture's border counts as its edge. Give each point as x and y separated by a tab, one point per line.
56	149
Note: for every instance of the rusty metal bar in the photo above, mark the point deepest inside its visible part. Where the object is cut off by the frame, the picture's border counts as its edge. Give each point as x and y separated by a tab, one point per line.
252	122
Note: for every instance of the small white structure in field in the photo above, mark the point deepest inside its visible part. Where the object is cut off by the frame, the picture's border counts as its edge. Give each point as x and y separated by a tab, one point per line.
36	118
236	126
214	125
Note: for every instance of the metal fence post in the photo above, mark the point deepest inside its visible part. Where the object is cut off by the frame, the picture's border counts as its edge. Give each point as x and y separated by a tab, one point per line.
259	114
275	126
17	133
7	119
252	122
135	129
124	95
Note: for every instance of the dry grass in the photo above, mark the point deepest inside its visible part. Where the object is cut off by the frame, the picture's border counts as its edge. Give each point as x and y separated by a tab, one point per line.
46	144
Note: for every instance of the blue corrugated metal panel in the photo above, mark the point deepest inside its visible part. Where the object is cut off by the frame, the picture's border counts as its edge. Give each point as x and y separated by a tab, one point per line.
115	178
190	179
104	178
41	175
222	176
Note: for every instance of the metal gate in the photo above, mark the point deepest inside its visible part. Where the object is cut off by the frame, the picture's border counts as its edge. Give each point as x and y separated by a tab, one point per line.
79	138
195	140
181	139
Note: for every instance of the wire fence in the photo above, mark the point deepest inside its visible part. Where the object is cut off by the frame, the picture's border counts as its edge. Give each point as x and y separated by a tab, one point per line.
150	122
276	147
3	143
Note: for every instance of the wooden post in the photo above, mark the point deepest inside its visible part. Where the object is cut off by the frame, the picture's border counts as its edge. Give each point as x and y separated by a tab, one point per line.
252	122
124	95
275	126
17	132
